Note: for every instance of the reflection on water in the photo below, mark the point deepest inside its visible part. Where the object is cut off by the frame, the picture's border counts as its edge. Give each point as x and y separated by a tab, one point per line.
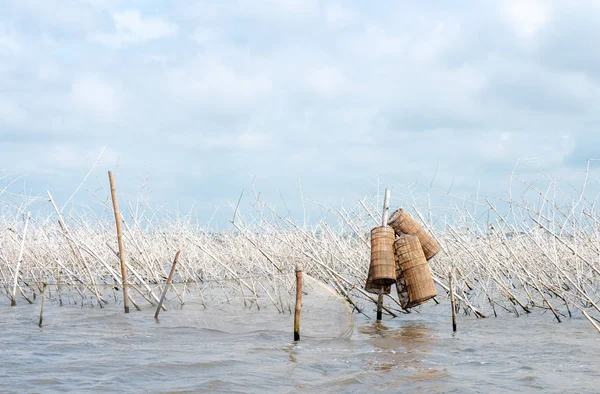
403	349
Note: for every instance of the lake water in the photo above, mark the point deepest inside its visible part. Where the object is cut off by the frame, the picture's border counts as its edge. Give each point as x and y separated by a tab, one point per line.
229	348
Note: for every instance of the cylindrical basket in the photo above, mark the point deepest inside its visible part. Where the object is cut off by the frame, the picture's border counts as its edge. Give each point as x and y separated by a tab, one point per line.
403	223
415	269
382	270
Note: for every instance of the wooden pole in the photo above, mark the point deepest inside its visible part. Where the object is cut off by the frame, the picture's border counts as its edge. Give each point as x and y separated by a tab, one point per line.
380	306
384	220
164	293
452	302
386	208
298	302
113	192
42	307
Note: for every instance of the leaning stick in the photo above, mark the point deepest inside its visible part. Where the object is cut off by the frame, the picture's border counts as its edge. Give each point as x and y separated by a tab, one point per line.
587	316
164	294
113	192
298	302
384	220
13	299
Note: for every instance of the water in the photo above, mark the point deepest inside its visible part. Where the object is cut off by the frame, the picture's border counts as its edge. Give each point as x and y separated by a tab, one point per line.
228	348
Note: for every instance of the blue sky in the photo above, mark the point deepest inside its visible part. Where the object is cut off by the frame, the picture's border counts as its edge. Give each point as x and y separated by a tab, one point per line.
196	98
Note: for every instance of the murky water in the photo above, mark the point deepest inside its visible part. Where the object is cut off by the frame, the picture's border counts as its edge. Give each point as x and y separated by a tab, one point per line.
228	348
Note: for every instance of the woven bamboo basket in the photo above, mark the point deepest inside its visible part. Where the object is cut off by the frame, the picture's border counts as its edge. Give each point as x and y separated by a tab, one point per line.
382	270
403	223
415	270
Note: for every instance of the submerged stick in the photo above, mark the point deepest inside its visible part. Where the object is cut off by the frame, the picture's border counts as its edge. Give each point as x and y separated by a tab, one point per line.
380	305
42	307
164	294
113	192
298	302
452	301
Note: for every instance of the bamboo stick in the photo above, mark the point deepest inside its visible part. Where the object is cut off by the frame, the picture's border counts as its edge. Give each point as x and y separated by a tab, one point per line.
298	302
452	302
164	293
587	316
113	192
42	306
384	220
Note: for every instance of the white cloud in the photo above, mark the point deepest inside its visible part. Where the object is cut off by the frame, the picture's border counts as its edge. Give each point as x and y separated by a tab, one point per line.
253	140
338	15
99	97
132	28
8	43
11	113
49	72
285	81
219	86
327	81
528	17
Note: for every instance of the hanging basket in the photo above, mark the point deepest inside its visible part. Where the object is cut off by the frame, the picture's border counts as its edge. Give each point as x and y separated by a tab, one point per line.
415	270
403	223
382	271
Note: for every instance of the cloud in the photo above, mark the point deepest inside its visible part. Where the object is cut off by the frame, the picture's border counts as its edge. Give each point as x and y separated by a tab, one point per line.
97	96
8	43
130	27
326	81
528	17
10	112
334	93
213	84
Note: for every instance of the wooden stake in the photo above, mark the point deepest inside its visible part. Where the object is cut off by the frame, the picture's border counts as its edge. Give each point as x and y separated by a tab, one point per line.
164	294
42	307
113	192
384	220
298	302
380	306
452	303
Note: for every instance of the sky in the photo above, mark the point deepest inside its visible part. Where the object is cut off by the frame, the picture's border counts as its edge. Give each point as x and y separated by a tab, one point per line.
196	101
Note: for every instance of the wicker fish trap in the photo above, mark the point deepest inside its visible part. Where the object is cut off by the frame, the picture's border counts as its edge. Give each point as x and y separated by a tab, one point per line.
415	270
403	223
382	270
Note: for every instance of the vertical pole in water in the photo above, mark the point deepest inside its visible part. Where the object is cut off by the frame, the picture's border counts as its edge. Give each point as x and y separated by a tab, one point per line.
384	220
298	301
113	192
164	294
452	301
42	307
